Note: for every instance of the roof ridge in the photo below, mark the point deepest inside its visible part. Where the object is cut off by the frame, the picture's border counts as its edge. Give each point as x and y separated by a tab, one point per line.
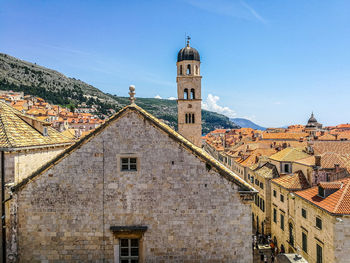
346	188
222	170
3	127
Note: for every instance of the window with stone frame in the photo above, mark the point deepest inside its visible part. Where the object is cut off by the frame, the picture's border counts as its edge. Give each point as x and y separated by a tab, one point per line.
129	250
282	221
275	215
319	254
286	168
274	193
303	213
282	198
318	223
304	241
128	163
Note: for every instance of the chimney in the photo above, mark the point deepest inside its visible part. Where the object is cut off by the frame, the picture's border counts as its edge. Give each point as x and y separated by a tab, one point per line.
318	160
337	167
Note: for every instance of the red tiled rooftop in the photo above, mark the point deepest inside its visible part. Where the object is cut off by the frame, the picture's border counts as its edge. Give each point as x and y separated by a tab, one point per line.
336	203
296	181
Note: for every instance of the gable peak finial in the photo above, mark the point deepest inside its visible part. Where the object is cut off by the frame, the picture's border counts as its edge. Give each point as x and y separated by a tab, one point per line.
132	94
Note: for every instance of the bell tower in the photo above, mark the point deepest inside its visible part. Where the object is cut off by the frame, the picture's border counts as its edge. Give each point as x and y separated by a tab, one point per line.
189	96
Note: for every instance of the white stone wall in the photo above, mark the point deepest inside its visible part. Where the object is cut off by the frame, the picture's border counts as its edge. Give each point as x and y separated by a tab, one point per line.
192	214
342	239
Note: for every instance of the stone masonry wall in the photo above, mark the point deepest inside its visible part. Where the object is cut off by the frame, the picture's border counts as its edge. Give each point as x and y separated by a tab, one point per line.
192	214
342	239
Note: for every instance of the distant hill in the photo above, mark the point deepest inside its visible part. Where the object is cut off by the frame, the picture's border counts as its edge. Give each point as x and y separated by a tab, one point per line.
244	123
56	88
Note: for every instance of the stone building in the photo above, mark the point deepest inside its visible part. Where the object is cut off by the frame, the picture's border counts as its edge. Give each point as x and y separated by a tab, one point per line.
25	144
284	160
260	176
322	216
189	94
283	209
133	190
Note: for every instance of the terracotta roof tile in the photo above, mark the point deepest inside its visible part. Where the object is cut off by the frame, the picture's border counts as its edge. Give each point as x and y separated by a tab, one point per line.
284	135
290	155
16	132
293	182
336	203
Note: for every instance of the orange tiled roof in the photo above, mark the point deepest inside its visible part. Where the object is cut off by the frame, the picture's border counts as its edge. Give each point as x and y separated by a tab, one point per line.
219	131
293	182
327	137
331	185
336	203
284	135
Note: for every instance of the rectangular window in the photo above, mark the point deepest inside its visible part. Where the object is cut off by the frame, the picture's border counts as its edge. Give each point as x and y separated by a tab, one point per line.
261	185
129	250
318	254
274	193
286	168
304	242
275	215
128	164
282	222
303	212
318	222
263	205
282	198
252	179
256	181
321	191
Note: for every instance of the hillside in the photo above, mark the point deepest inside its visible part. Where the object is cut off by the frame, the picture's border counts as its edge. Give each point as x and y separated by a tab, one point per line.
244	123
56	88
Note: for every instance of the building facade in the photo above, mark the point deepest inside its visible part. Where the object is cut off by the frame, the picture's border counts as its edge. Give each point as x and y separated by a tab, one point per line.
133	189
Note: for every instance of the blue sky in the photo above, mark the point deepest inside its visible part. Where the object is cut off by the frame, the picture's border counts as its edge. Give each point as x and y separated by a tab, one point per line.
270	61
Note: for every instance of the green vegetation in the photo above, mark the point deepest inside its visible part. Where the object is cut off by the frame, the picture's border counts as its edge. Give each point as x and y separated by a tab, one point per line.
52	86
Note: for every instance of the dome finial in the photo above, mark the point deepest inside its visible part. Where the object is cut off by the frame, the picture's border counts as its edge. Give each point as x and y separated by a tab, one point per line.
188	40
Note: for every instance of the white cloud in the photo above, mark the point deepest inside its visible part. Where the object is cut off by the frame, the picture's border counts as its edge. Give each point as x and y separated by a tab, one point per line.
211	104
171	98
157	97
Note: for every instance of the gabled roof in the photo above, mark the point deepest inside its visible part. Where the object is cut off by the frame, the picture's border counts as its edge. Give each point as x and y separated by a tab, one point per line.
293	182
337	203
289	155
284	135
18	130
267	171
199	152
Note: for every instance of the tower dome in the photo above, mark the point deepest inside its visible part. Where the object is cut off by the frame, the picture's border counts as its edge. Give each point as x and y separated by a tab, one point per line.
312	119
188	53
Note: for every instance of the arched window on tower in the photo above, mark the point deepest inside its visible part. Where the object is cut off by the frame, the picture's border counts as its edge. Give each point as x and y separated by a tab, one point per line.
192	117
192	94
188	72
196	70
189	118
180	69
186	118
186	94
